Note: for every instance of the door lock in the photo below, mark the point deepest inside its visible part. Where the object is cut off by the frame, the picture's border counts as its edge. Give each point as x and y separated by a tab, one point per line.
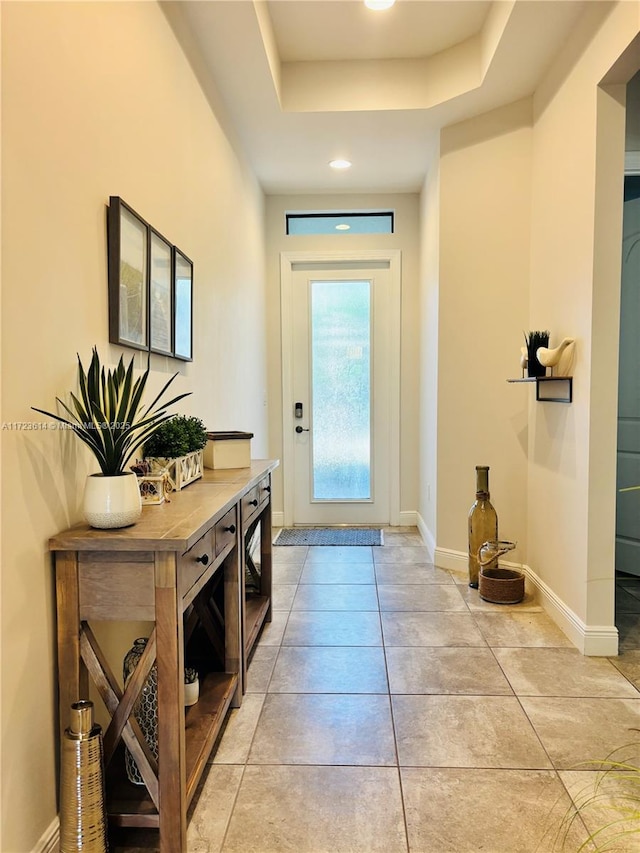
300	429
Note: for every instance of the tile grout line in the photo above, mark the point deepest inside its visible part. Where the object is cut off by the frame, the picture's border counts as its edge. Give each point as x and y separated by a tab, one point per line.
392	716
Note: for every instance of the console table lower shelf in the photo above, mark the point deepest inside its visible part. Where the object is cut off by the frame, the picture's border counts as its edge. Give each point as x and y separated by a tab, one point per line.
130	805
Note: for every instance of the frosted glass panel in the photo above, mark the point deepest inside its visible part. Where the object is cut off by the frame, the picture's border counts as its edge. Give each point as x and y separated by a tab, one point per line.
341	382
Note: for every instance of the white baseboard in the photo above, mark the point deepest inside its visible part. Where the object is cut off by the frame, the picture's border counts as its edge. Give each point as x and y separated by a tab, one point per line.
427	535
458	561
455	561
591	640
277	519
50	840
408	518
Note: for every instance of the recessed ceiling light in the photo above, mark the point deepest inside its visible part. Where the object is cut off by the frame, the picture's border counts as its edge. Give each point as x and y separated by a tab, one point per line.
343	227
340	164
379	5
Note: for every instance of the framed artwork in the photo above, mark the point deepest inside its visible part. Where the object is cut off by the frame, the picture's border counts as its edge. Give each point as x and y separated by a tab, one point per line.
183	306
160	294
128	274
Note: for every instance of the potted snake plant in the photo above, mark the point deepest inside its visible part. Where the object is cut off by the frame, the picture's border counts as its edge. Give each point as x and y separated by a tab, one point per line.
109	417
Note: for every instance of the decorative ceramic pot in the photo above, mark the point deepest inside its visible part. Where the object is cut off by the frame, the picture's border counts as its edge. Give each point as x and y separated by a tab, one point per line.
111	502
191	686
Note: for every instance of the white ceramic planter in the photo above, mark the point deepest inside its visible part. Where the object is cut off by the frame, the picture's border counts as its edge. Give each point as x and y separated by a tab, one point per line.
111	502
191	692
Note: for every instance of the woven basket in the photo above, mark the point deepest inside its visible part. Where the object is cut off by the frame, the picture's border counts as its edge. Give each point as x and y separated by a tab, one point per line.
501	586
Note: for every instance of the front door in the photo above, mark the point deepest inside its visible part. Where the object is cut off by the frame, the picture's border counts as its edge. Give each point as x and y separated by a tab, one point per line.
339	416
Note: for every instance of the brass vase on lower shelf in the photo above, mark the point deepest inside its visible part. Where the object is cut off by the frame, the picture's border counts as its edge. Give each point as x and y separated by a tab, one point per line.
83	819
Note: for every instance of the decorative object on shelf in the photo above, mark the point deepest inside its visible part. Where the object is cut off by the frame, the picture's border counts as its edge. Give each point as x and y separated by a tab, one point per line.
524	359
535	340
561	357
83	818
145	709
108	416
150	286
496	584
483	524
176	450
228	450
146	706
191	686
153	488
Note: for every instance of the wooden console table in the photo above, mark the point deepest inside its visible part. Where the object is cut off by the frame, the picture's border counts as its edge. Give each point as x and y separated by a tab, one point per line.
182	567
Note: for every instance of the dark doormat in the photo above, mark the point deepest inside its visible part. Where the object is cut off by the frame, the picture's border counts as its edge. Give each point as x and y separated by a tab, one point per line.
328	536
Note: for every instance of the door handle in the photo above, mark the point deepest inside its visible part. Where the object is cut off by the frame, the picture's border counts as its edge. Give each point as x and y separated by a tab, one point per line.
300	429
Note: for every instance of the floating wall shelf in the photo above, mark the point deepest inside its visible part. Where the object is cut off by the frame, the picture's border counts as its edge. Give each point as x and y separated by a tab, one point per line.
551	389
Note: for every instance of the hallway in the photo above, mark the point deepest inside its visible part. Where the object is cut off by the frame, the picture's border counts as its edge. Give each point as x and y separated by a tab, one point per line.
390	710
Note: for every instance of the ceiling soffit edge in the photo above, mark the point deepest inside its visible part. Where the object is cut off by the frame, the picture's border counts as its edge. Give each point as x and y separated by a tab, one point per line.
269	43
493	31
386	84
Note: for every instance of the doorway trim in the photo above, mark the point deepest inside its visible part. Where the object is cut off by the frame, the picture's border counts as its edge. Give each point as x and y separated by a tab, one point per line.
287	262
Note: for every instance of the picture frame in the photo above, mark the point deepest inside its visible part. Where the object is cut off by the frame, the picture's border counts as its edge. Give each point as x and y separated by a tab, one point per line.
182	306
128	275
160	294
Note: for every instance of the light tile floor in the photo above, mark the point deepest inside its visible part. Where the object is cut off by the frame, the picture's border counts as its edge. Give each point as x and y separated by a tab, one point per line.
390	709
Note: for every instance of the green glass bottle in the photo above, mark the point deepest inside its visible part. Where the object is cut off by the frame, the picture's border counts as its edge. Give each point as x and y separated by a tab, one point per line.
483	524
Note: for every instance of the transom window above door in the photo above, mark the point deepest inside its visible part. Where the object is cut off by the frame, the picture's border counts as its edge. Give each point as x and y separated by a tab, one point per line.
336	222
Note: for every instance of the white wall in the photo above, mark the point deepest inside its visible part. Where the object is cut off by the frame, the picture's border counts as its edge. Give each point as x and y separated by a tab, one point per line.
98	100
576	237
529	214
429	343
405	238
484	204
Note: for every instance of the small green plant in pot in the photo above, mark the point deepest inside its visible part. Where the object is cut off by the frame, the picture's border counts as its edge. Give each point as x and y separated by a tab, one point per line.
176	447
109	417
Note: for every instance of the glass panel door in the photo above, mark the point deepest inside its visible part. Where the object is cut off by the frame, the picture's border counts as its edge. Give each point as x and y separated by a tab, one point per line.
340	383
341	390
